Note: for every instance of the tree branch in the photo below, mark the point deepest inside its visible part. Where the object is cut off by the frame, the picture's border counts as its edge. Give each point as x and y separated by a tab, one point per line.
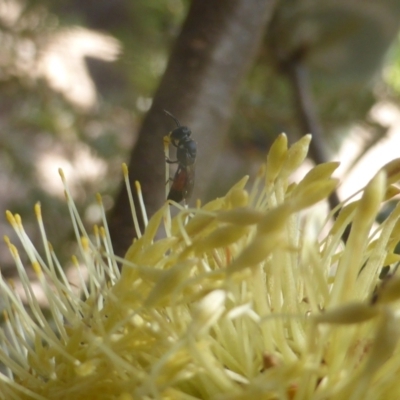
212	54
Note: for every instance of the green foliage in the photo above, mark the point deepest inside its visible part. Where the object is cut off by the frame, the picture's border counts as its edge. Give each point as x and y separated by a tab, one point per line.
342	45
392	70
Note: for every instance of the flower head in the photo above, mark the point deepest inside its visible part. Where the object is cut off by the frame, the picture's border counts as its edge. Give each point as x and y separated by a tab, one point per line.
240	299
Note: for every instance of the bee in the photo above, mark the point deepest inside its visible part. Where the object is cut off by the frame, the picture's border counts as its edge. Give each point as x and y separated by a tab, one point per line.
186	151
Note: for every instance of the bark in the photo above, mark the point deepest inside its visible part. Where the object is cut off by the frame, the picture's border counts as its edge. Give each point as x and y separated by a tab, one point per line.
217	44
308	116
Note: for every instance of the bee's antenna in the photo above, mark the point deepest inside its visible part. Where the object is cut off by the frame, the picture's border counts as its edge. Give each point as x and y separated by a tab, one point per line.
173	117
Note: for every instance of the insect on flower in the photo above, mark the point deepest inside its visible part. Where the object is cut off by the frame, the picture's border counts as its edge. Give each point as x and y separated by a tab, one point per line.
186	150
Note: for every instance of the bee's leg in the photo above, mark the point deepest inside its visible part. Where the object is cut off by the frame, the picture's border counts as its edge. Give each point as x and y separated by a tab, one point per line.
167	160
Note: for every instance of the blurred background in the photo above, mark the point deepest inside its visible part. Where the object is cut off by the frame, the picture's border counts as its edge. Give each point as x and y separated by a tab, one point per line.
83	85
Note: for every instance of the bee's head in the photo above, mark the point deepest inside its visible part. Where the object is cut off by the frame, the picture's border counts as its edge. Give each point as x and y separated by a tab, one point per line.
179	135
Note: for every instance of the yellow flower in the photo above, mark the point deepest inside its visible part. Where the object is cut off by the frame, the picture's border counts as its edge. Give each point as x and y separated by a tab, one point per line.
239	300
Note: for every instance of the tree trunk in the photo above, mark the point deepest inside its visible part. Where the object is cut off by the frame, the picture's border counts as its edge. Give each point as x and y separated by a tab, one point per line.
212	54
